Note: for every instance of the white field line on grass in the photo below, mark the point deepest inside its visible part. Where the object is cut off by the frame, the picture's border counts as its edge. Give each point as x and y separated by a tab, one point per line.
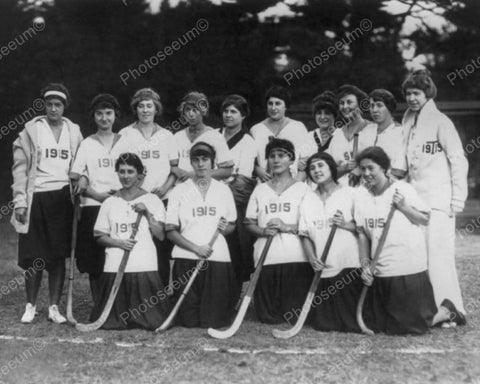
246	351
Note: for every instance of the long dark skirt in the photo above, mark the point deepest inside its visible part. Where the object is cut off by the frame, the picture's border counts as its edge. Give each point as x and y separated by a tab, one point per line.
281	290
47	242
212	297
89	255
164	254
335	302
141	302
240	244
400	304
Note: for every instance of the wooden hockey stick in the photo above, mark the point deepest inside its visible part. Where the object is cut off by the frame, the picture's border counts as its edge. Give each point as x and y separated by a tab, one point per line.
76	217
199	267
352	178
355	145
381	243
229	332
311	294
116	285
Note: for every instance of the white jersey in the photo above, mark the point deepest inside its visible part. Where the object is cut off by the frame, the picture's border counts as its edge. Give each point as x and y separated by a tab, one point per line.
393	141
404	251
196	217
266	204
243	153
294	131
437	166
341	149
157	153
54	159
116	219
316	221
97	162
210	136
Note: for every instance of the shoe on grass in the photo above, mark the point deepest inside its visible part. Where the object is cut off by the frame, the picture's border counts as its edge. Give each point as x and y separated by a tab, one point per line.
455	316
55	316
29	314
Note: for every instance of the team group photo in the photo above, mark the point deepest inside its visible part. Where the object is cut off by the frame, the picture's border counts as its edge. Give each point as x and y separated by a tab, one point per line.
190	227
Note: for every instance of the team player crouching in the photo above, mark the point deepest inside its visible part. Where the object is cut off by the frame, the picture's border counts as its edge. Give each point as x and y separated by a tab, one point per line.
401	299
196	209
273	210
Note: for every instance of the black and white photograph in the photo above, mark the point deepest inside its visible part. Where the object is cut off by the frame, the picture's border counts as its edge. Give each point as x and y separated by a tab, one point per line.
239	191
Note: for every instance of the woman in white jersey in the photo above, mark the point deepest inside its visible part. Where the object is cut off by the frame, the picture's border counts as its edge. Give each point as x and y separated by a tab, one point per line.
157	149
95	161
278	125
142	300
401	298
273	210
437	169
325	111
353	104
242	148
42	156
332	309
390	134
197	208
193	109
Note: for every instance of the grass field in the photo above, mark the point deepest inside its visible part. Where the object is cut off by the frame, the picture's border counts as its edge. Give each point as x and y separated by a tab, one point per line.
47	353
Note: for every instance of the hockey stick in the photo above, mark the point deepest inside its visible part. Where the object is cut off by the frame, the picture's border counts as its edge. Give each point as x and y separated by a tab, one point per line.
200	266
116	285
229	332
380	245
76	214
352	178
311	294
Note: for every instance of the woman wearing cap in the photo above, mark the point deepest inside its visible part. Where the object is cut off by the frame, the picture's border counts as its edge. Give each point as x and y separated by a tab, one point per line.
278	125
196	209
352	104
95	162
242	148
390	134
325	110
158	151
437	169
273	210
142	300
41	193
193	109
331	204
401	299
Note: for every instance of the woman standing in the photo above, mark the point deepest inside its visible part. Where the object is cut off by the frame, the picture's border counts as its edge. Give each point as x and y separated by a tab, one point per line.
42	155
278	125
352	104
401	298
95	160
325	111
273	210
197	208
157	149
141	301
331	204
242	148
437	169
193	109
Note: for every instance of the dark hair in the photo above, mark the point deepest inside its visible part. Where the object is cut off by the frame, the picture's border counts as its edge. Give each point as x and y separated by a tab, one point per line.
286	145
238	102
280	93
58	87
328	159
197	100
386	97
326	101
377	155
203	149
421	79
146	94
131	159
102	101
362	97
